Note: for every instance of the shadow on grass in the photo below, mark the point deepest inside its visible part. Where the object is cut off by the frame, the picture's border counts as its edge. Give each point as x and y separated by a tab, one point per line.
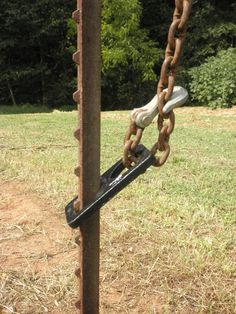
23	109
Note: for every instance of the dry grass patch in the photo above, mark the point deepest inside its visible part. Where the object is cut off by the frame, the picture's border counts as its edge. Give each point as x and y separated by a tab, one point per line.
167	241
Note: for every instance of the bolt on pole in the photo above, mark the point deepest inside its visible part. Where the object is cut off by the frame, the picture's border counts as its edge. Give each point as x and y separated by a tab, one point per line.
88	58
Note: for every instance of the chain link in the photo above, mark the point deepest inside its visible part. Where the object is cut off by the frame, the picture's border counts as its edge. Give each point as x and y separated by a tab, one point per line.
130	145
176	38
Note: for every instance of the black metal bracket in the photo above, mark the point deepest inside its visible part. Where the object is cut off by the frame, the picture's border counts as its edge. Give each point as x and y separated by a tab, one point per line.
111	183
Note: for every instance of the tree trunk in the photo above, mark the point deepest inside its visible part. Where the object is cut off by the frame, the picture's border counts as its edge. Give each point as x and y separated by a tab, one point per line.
11	93
43	97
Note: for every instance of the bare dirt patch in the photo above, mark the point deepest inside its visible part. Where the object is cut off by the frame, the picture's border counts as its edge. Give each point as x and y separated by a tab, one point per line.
35	243
38	258
32	235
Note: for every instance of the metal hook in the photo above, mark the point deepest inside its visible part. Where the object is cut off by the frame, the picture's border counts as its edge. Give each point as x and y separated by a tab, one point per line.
111	183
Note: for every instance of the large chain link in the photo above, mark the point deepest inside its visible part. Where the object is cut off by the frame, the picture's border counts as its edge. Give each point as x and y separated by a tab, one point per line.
176	37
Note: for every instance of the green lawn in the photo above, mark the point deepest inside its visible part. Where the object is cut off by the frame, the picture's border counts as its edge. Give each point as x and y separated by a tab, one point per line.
167	239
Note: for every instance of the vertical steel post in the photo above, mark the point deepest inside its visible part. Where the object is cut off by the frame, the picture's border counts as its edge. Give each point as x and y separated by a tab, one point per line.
88	58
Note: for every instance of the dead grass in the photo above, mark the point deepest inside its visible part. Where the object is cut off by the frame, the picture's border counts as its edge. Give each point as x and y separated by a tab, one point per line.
30	292
167	241
38	255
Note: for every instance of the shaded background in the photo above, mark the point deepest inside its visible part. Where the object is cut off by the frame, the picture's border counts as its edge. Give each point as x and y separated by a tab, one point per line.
37	39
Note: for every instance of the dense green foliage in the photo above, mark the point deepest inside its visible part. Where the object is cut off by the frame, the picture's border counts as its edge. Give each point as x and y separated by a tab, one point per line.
214	82
38	38
35	63
128	55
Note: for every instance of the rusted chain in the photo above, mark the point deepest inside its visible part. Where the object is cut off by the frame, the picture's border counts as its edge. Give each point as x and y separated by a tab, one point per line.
130	144
176	38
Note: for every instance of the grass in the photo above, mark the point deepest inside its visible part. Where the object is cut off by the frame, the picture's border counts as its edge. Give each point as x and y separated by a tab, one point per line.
35	293
168	240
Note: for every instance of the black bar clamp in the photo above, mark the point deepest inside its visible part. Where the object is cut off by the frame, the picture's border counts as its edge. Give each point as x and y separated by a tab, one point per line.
111	183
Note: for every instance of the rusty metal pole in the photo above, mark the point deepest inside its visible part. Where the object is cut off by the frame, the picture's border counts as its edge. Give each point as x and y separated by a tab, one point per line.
88	57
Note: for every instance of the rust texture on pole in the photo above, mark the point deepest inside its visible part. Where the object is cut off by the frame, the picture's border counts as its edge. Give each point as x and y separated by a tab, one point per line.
88	95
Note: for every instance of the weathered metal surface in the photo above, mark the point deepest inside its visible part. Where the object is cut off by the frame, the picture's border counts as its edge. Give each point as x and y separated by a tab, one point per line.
144	116
88	18
113	180
88	58
178	98
165	87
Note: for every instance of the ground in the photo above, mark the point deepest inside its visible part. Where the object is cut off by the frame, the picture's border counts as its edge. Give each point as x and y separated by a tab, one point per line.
32	231
167	241
33	242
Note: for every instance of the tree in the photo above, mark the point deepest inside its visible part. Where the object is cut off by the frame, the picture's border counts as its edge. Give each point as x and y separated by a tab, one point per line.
211	26
213	83
211	29
128	54
38	38
35	65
